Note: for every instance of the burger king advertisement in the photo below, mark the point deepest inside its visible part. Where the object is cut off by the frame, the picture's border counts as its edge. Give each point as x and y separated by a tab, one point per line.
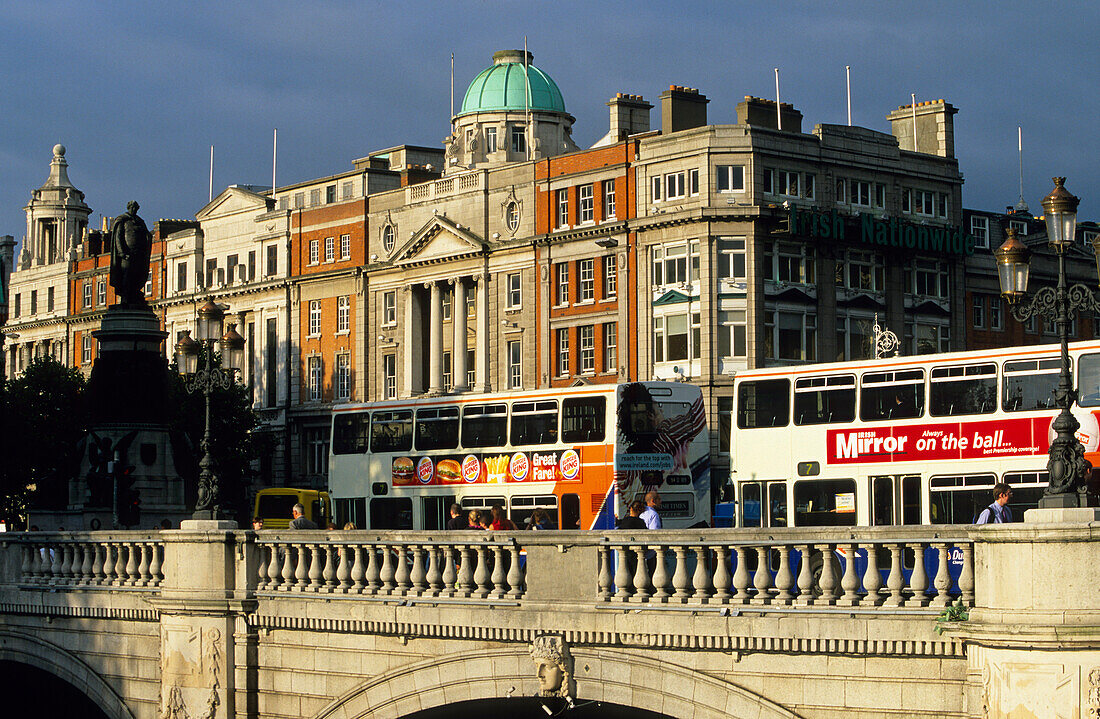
496	468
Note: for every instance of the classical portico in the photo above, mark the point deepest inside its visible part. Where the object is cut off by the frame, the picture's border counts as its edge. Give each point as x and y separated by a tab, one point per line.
426	327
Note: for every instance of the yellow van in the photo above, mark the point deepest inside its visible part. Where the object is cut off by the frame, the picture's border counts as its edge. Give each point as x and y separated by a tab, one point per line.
273	505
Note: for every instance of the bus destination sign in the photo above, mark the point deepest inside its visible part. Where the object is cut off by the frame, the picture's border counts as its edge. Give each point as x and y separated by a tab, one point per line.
947	440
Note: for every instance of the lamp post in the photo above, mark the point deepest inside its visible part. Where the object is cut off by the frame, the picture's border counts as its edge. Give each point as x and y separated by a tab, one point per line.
209	330
1067	467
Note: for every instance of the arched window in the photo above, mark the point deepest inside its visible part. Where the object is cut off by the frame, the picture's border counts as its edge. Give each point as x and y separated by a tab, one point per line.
388	235
512	214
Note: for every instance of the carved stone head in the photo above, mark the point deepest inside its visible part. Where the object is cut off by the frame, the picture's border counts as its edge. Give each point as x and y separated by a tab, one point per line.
555	666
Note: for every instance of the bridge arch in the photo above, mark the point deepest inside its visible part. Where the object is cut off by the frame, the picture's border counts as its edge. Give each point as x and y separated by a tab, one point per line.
26	649
630	679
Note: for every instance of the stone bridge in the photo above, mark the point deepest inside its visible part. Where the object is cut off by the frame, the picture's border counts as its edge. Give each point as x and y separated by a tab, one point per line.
679	623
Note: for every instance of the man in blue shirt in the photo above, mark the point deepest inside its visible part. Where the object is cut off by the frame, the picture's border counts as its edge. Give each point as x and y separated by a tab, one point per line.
649	516
998	512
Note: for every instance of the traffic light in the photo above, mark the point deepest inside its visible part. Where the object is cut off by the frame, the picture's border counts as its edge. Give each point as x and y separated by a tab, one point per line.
128	507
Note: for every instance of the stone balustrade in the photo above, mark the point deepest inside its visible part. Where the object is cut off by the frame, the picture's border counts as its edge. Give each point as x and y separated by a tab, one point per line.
91	559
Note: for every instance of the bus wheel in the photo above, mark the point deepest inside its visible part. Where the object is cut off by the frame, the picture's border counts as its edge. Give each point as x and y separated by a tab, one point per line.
816	565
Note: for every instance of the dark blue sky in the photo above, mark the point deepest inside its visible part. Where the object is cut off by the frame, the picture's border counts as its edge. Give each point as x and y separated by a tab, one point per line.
138	92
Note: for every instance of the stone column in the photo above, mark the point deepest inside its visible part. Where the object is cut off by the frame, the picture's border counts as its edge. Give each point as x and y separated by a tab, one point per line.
410	377
482	339
458	344
435	339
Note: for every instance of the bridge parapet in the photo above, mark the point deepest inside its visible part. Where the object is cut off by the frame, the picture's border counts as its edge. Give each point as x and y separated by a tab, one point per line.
89	559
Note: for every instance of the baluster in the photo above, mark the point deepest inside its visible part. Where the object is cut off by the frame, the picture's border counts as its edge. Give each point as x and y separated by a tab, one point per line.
741	577
827	581
700	581
660	574
288	567
515	573
342	580
120	563
273	574
805	576
372	575
680	575
784	580
918	580
25	568
641	574
450	573
328	576
722	578
78	561
102	556
401	573
762	577
58	565
943	576
896	580
315	572
481	575
419	576
966	576
263	579
301	569
133	576
107	565
143	566
604	581
34	563
87	573
155	575
497	581
872	578
849	582
465	574
435	571
624	581
386	575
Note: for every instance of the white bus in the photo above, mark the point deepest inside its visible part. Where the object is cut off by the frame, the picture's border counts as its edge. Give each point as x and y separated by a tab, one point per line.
581	454
907	440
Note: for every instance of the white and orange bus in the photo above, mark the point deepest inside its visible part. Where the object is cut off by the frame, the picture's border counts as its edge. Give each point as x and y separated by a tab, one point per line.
580	454
907	440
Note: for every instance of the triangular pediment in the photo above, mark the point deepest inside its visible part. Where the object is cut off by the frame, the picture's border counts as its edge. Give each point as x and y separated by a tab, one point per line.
862	301
672	297
232	200
794	294
439	240
930	307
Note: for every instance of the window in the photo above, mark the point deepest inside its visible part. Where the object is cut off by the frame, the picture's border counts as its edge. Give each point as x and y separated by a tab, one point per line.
88	288
345	247
670	264
788	183
299	200
892	395
693	182
514	296
490	140
809	189
979	228
866	271
732	334
519	139
825	502
587	335
330	194
512	215
842	191
1088	380
211	273
979	311
585	207
271	362
346	190
343	314
608	199
731	259
927	337
391	431
962	389
389	376
315	318
535	422
919	202
818	400
315	378
563	352
343	376
389	307
656	183
1030	385
436	428
85	349
389	235
448	374
315	197
930	278
446	301
515	365
587	280
790	262
731	178
330	249
610	347
676	337
996	316
314	251
251	265
861	193
49	297
562	297
485	425
763	403
351	433
272	260
583	419
790	335
471	367
563	208
674	186
101	293
610	277
391	513
34	302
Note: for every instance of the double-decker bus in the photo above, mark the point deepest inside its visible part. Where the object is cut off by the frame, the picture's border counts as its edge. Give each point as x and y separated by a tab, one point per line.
581	454
907	440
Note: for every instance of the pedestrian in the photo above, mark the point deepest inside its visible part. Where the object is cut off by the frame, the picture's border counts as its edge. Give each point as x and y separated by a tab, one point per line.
653	504
474	520
300	521
349	525
633	518
539	519
998	512
457	520
257	524
500	522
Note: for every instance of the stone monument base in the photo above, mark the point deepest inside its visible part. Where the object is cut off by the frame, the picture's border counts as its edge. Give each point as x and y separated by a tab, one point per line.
1062	515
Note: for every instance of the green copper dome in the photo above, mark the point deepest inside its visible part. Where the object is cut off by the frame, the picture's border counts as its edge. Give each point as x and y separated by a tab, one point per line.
501	86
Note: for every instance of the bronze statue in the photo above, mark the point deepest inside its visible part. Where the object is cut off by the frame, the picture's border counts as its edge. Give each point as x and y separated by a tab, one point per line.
131	243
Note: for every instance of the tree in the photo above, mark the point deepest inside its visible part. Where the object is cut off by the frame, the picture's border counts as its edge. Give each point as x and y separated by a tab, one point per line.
43	419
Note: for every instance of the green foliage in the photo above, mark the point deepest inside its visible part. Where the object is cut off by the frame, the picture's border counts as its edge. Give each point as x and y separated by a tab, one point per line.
956	612
43	418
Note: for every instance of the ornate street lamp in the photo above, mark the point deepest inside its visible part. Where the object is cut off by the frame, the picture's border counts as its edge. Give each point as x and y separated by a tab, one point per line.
1067	467
209	329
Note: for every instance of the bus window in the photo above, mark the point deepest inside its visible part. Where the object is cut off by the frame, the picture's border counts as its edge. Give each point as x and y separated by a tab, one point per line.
1088	380
958	499
910	499
437	428
1027	490
764	403
582	419
892	395
522	507
1030	384
570	511
391	432
750	504
963	389
818	400
436	511
882	501
825	502
350	433
485	425
777	504
391	513
535	423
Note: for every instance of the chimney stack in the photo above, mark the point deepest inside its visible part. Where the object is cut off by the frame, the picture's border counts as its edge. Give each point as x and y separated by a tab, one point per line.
760	112
682	108
935	131
629	115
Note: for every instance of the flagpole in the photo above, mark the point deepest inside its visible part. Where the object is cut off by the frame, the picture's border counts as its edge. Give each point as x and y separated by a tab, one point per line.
778	113
274	156
913	95
848	82
210	189
527	99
